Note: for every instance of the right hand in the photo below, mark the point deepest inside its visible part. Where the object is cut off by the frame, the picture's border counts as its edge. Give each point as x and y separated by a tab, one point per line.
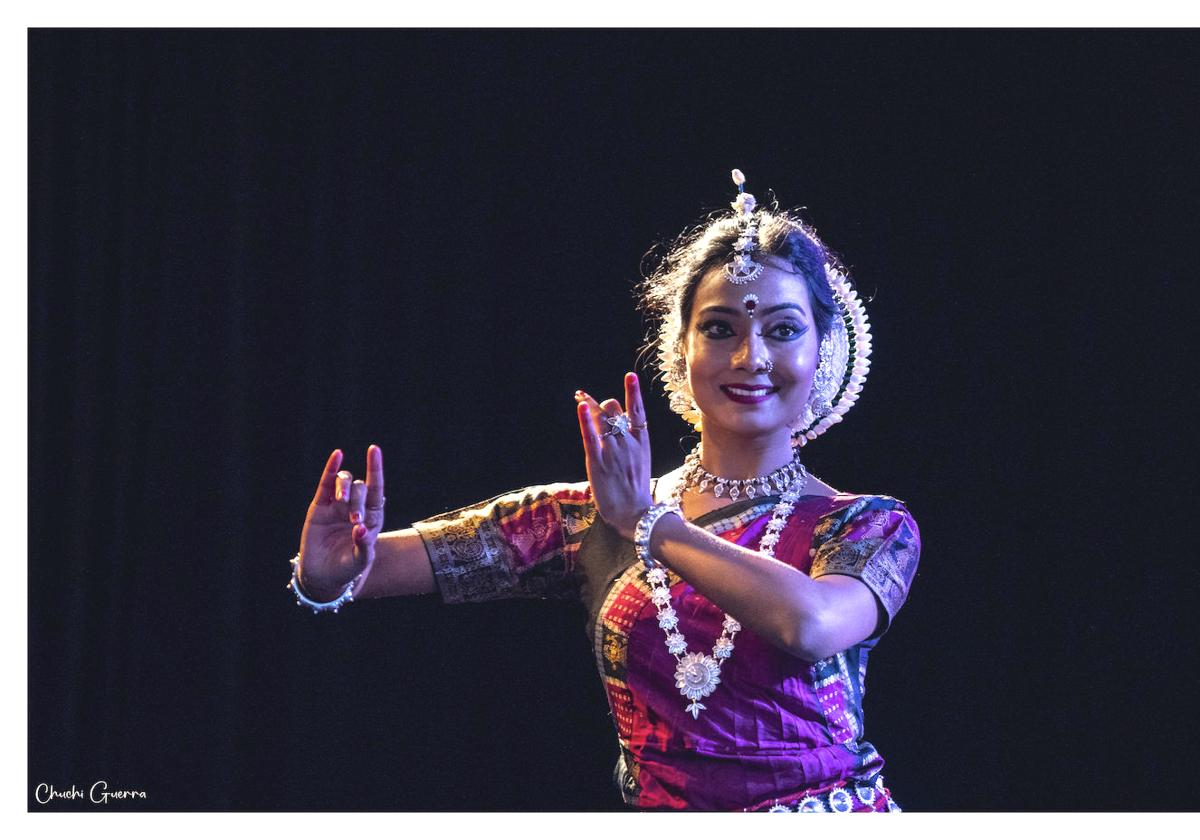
342	525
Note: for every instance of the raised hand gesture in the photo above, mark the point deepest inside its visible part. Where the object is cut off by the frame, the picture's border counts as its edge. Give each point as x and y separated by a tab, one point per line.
618	456
342	525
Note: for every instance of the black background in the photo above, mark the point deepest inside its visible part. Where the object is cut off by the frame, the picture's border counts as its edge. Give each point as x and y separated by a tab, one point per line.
250	247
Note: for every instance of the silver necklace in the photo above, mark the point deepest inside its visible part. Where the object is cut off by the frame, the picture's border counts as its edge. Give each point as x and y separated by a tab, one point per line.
698	674
776	481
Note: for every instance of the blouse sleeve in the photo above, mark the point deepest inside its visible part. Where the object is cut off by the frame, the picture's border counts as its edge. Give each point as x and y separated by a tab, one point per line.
521	544
874	539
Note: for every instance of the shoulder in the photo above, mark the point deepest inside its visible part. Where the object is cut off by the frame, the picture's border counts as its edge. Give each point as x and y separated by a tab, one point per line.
841	499
858	512
663	486
816	487
871	537
867	501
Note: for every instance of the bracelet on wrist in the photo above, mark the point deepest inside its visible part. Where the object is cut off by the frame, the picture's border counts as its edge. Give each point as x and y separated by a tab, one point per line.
645	527
303	600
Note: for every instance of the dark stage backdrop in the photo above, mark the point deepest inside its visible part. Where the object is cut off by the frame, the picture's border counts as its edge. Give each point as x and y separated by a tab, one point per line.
250	247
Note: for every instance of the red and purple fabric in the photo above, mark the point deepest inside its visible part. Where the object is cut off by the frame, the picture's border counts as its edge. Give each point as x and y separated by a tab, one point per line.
778	732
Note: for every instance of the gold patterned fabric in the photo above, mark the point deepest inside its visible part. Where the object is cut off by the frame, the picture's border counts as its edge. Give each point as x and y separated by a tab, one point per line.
784	729
874	539
517	545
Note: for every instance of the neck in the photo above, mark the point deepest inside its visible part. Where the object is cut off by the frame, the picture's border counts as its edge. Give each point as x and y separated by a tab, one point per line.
737	457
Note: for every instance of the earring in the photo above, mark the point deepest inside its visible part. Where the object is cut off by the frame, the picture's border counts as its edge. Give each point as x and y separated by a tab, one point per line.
678	365
679	391
825	383
825	379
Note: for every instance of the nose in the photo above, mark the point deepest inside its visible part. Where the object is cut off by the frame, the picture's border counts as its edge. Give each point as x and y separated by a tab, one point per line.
751	353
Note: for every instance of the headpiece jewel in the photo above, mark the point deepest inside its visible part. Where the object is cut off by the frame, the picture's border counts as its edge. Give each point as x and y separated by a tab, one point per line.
844	354
742	268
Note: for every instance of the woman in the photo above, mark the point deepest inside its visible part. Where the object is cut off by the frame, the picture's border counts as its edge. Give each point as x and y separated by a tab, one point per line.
733	602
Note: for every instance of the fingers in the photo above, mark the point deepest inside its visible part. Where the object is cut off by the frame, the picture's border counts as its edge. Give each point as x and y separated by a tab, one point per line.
344	479
633	399
358	501
634	407
327	485
375	480
364	547
584	396
362	530
591	440
594	412
610	408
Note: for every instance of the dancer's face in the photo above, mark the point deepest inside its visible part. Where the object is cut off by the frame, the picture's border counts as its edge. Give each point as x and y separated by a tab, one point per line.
728	348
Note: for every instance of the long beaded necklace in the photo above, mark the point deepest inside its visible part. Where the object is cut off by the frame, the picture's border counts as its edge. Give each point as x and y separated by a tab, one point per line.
698	674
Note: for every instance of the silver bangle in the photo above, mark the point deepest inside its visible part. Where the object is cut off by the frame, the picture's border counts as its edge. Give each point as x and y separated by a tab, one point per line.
320	606
645	526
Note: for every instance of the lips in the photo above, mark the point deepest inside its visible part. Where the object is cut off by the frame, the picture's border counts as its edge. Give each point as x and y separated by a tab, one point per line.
749	393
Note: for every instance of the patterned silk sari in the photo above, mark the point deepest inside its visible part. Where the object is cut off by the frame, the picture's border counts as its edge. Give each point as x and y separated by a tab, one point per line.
778	733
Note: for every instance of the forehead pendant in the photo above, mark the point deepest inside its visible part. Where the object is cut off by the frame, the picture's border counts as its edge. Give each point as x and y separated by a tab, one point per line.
750	301
742	268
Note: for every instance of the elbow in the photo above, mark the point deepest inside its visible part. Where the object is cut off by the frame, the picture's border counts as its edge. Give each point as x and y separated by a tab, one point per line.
809	639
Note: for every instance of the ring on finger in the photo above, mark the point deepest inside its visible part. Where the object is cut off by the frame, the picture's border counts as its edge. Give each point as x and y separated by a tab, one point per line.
618	424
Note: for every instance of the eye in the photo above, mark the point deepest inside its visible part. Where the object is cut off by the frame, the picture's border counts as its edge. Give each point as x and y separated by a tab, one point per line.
788	330
716	329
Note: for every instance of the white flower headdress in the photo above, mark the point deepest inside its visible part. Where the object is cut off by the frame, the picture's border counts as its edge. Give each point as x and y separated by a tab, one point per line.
844	356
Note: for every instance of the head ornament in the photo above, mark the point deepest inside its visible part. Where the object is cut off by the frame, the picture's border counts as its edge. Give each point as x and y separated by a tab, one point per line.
742	268
844	354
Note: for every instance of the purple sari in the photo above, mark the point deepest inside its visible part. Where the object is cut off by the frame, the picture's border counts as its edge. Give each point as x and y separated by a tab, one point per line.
778	732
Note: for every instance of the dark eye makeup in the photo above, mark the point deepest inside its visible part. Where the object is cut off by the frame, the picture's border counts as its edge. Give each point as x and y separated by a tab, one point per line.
716	329
784	331
789	330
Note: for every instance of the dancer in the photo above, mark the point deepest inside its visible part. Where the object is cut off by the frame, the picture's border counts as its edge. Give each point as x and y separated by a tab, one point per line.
733	602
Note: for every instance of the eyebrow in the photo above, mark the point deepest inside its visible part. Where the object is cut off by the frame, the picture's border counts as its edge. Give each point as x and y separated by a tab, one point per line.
726	310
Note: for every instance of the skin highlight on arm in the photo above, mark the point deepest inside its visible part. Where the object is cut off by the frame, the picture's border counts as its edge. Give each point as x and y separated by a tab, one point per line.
401	567
807	618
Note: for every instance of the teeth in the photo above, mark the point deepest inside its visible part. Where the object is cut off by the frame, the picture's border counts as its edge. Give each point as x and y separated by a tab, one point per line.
748	392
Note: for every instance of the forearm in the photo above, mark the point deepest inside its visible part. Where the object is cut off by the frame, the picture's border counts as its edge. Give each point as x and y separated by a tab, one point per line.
401	567
779	603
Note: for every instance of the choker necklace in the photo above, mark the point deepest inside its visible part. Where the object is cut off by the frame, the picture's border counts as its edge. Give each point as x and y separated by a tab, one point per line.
763	485
698	674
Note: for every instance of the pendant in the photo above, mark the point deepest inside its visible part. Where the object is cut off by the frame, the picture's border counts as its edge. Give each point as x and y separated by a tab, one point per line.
697	676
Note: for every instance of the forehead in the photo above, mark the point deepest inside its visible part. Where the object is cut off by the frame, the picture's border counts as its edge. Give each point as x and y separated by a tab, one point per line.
773	286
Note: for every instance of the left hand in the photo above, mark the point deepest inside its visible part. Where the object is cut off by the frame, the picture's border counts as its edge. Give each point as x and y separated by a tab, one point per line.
618	466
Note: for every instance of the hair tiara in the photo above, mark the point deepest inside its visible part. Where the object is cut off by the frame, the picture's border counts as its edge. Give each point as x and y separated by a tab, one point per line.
844	355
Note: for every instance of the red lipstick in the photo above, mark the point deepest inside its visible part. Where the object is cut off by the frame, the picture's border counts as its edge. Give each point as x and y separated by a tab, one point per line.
749	394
